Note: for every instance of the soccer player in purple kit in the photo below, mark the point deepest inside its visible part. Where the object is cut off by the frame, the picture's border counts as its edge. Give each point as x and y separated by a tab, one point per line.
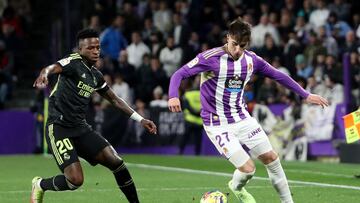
224	73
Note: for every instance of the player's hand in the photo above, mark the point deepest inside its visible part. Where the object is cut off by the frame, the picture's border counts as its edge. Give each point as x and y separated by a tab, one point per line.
318	100
174	104
41	82
149	125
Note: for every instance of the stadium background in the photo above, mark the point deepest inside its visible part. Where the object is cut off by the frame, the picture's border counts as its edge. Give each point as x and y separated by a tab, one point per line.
314	41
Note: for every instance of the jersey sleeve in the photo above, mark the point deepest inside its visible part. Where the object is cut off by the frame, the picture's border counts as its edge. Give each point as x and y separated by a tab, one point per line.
197	65
264	68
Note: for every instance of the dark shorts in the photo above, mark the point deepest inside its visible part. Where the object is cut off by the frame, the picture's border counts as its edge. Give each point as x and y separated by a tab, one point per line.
67	144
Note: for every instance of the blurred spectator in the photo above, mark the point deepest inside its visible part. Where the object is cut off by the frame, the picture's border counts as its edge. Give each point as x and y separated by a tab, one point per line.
285	26
182	7
193	122
302	29
135	134
276	63
151	75
267	92
334	92
306	10
269	51
148	29
350	44
121	88
10	18
94	23
155	43
259	31
192	48
356	25
132	22
292	48
11	39
333	69
328	42
3	90
180	31
355	77
136	50
319	67
158	100
303	70
162	18
126	70
6	68
214	37
313	48
319	16
314	86
334	26
170	56
274	19
112	40
341	8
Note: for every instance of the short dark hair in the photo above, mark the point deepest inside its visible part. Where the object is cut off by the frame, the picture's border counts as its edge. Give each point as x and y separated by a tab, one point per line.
240	30
87	33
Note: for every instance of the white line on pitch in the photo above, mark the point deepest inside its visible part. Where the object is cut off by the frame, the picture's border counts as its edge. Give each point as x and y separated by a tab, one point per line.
148	189
318	173
165	168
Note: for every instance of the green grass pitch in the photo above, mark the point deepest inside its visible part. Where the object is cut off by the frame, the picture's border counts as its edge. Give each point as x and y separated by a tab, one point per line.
179	179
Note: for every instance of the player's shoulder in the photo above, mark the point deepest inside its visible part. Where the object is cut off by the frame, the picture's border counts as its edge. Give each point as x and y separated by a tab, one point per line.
70	59
212	53
250	54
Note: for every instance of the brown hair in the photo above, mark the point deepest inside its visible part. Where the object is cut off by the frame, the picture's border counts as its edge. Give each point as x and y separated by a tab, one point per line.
240	30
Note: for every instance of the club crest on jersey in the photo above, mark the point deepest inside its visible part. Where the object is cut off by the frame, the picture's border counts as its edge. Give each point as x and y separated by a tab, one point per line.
250	67
193	62
234	84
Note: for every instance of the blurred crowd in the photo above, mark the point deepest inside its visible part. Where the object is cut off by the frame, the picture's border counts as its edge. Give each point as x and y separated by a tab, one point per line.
15	20
144	42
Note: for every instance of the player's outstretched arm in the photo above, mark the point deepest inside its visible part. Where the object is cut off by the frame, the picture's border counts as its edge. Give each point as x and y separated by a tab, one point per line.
316	99
174	104
42	80
123	106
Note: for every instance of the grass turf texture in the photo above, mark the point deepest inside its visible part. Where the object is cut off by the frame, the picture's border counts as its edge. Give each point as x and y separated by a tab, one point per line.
310	182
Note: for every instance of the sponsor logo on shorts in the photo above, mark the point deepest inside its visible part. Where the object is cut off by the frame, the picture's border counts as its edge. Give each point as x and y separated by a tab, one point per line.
225	151
254	132
66	156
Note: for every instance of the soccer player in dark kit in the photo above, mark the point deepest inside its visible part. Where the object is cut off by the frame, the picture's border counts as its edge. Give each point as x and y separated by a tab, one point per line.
67	133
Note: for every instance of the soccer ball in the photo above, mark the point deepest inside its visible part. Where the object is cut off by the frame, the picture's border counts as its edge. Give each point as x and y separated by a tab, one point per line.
214	196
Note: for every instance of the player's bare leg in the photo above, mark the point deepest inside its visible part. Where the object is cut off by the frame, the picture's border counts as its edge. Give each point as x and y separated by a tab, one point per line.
241	177
277	175
71	180
109	158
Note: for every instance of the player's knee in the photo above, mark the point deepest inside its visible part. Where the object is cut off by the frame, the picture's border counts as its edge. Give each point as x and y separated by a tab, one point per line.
268	157
248	167
116	164
74	181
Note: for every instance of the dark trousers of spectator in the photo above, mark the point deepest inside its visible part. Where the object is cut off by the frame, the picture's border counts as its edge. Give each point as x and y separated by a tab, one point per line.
193	131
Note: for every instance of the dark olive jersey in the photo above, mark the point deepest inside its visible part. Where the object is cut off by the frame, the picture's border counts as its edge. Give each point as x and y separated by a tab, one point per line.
69	99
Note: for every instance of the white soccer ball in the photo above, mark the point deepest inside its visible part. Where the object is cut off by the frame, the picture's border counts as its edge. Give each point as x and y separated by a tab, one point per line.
214	196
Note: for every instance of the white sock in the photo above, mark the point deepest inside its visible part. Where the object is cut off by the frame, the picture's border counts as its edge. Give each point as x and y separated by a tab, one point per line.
278	180
240	179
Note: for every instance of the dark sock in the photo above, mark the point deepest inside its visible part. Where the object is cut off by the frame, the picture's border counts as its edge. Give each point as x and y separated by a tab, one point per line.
126	183
57	183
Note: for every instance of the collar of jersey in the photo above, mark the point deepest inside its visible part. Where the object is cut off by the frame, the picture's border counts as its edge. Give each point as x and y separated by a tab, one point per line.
86	65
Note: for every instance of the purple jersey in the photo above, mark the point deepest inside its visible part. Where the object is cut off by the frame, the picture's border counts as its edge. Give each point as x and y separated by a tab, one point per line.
223	81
